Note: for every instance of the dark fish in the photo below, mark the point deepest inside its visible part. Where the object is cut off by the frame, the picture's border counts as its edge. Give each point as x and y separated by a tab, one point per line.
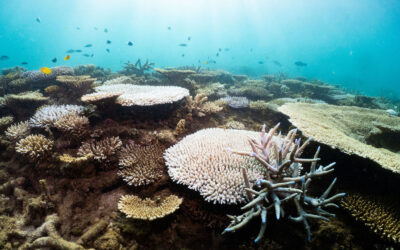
182	44
86	55
226	49
2	58
105	30
300	64
251	50
108	41
277	63
78	28
211	61
88	45
260	62
189	38
95	28
217	54
169	27
70	51
54	60
91	55
78	50
130	43
24	63
219	49
108	50
38	19
183	55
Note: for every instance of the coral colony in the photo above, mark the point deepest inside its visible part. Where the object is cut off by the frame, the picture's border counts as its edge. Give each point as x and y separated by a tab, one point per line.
284	182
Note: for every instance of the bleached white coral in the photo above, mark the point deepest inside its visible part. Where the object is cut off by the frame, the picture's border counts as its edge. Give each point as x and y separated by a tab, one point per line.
141	95
47	116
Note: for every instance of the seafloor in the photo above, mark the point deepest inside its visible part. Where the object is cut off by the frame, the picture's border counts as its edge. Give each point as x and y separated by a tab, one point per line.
61	177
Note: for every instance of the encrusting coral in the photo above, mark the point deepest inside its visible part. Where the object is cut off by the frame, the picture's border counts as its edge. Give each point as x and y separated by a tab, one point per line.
35	147
369	133
18	131
284	181
140	165
381	219
148	209
201	162
101	150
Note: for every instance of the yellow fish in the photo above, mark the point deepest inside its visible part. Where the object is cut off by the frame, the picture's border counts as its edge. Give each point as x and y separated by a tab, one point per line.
46	70
67	57
9	75
206	62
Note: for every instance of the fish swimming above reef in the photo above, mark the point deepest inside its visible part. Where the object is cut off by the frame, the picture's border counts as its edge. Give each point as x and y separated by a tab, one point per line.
88	45
24	63
182	44
67	57
87	55
3	58
217	54
211	62
300	64
189	38
227	49
78	50
38	19
277	63
46	70
260	62
108	42
70	51
219	49
105	30
54	60
169	27
108	50
78	28
130	43
183	55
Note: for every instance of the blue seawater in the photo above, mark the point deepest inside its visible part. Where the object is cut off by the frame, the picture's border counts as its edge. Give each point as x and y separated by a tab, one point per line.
353	43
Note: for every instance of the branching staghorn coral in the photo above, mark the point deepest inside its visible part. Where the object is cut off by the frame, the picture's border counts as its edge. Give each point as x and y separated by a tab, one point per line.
381	218
141	165
137	68
101	150
35	147
47	116
199	106
148	209
18	131
283	182
73	125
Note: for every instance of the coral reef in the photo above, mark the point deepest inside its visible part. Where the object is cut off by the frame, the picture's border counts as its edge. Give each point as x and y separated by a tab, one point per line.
136	69
72	87
92	70
141	165
35	147
201	162
141	95
47	116
73	125
148	209
18	131
199	106
5	122
236	102
22	104
234	125
35	76
102	150
369	133
382	219
283	182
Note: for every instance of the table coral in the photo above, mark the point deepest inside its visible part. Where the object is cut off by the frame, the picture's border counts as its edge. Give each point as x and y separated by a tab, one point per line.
148	209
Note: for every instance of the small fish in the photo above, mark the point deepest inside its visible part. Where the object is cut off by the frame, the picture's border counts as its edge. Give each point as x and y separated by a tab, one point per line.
130	43
189	38
54	60
91	55
70	51
260	62
95	28
38	19
78	50
9	75
67	57
227	49
46	70
277	63
78	28
211	61
300	64
219	49
169	27
105	30
24	63
217	54
183	55
108	42
182	44
86	55
108	50
3	58
88	45
251	50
